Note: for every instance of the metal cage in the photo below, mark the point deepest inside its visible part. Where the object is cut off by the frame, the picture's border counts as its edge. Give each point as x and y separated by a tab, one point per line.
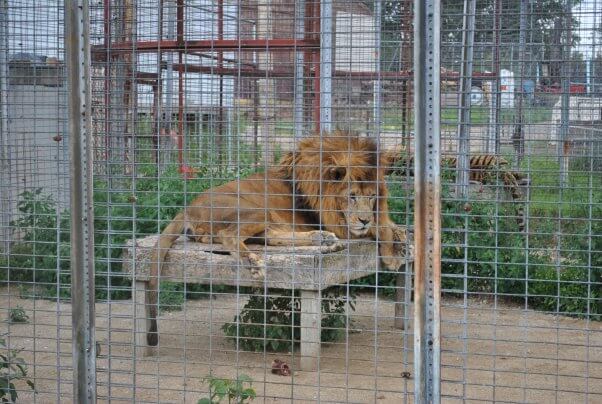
473	271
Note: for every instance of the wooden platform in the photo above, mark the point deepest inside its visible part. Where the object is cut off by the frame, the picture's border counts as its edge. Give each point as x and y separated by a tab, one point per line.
308	269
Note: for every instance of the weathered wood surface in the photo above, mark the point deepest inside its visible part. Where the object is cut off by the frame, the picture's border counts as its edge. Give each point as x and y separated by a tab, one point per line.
305	268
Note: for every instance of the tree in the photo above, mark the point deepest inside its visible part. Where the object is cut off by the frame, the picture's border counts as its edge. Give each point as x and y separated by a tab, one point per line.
547	24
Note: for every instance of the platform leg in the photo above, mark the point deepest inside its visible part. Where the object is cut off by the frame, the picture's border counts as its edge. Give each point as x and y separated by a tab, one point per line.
141	320
311	321
403	286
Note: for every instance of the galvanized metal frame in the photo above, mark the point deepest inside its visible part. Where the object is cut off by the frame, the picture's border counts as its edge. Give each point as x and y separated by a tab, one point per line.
468	28
326	59
77	50
427	202
5	156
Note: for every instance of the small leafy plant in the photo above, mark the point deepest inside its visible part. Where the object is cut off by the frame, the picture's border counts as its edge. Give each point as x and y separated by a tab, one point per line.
239	391
18	315
12	369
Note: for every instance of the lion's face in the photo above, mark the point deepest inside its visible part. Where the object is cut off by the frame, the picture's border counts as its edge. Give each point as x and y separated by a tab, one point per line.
358	207
341	177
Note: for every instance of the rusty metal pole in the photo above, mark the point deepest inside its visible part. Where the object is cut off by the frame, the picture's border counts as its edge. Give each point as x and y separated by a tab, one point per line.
77	57
427	215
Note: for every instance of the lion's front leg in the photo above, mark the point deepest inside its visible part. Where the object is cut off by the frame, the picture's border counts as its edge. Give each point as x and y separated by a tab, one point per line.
392	246
321	238
236	246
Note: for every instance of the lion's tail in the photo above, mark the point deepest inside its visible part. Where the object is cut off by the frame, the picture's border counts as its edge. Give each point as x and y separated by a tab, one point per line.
166	240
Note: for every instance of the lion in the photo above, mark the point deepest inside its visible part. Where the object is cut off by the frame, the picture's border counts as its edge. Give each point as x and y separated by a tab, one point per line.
331	188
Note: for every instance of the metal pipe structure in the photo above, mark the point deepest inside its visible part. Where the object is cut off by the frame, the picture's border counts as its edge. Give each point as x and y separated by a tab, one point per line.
377	92
468	28
299	69
325	67
518	135
169	77
315	61
5	157
211	45
180	39
493	139
563	144
107	75
77	57
427	203
220	65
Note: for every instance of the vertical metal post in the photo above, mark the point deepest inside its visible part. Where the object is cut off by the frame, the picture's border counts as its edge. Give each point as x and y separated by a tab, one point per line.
518	135
5	157
77	56
169	73
427	240
266	85
497	89
565	97
377	82
465	90
299	68
326	66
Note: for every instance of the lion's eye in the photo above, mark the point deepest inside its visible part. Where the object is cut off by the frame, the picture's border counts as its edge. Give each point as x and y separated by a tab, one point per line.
352	197
373	196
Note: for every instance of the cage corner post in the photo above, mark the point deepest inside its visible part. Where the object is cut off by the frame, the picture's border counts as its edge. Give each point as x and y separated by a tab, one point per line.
5	157
427	284
77	56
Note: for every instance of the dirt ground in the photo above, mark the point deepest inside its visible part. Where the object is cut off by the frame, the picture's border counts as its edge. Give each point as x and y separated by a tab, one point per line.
528	356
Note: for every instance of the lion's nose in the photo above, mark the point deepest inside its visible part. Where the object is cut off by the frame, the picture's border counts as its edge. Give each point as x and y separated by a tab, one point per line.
365	221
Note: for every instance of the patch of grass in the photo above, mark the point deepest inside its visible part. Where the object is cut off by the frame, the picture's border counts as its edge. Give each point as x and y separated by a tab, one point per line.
480	115
549	200
392	118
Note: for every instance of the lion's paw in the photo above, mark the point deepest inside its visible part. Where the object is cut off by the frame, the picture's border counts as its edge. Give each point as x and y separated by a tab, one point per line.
392	263
256	265
327	240
393	252
322	238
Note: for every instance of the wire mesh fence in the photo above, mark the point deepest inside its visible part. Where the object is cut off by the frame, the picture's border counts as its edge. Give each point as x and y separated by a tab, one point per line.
256	172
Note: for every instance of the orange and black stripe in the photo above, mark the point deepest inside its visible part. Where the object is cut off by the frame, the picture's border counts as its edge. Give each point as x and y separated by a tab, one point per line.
483	168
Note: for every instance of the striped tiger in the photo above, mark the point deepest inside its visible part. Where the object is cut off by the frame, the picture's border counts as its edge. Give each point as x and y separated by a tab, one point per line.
484	169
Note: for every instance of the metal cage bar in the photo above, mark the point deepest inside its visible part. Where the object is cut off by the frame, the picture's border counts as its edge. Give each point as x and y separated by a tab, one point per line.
427	216
77	52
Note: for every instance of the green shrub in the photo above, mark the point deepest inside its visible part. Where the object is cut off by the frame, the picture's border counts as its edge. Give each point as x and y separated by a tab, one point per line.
273	323
484	235
42	254
40	260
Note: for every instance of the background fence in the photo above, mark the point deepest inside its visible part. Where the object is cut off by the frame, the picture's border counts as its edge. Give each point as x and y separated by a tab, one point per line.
188	95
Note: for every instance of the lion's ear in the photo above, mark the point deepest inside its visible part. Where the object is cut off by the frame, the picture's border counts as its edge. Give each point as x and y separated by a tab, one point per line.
287	159
390	157
336	173
285	165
